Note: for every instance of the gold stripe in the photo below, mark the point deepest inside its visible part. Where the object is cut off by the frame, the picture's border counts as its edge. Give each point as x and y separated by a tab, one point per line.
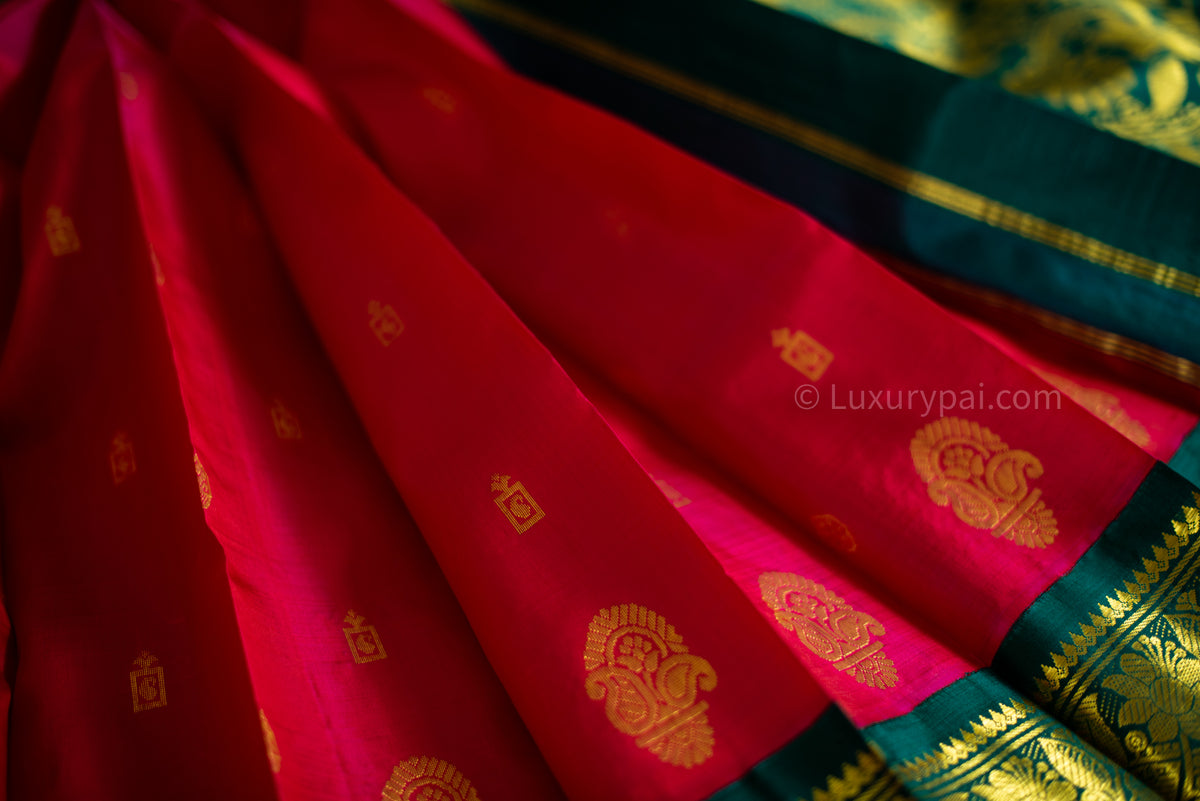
1104	341
926	187
979	766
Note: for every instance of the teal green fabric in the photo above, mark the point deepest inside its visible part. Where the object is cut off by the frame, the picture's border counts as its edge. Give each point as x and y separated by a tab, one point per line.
971	134
977	739
1105	568
804	766
1186	461
1129	605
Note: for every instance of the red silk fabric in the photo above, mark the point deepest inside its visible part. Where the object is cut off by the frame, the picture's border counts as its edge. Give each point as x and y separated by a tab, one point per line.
327	258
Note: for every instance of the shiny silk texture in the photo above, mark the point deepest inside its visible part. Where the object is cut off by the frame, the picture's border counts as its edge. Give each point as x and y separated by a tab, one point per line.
267	396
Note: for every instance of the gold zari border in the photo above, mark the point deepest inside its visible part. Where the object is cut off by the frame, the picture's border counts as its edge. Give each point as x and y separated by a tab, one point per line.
1124	612
920	185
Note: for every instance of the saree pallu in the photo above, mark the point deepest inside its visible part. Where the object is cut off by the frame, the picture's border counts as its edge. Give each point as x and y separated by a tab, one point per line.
380	424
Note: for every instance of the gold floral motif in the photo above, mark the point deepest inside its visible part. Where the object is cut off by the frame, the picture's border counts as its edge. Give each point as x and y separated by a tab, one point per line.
1066	769
121	460
440	99
272	745
829	627
1103	405
516	503
677	498
428	779
364	642
1017	753
384	322
834	533
1130	676
202	483
287	425
60	232
638	665
802	352
147	683
1159	685
986	483
1126	66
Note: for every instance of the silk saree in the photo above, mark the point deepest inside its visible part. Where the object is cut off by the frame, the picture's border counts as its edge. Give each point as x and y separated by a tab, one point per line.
379	423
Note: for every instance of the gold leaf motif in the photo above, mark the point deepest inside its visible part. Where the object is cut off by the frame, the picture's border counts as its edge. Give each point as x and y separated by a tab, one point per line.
160	277
1168	84
428	779
865	778
676	497
121	460
202	483
272	745
384	322
364	642
802	352
638	665
60	232
1092	728
440	99
129	87
1080	766
1103	405
516	503
287	425
1187	631
829	627
970	469
147	683
997	724
834	533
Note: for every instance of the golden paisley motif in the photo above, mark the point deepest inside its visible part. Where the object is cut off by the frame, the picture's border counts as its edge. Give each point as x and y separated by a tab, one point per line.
650	684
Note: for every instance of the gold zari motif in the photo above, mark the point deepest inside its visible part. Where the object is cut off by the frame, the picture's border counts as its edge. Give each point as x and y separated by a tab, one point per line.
638	665
440	99
1017	753
834	533
516	503
364	642
120	458
202	483
287	425
385	324
129	86
160	277
1130	675
270	743
1103	405
829	627
677	498
802	352
1126	66
60	232
865	779
147	683
970	469
428	779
